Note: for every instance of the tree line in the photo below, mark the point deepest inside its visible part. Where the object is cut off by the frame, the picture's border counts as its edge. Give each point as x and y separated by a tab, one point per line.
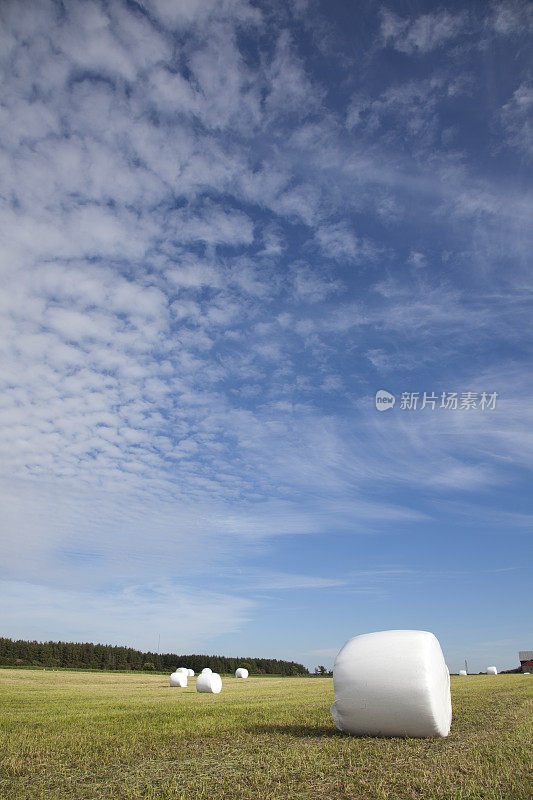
86	655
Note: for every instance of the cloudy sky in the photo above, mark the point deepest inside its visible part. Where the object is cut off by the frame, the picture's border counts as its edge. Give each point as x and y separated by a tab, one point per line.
225	226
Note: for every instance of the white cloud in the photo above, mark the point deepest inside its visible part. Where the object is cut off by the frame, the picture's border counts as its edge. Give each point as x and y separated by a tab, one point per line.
313	287
418	260
338	242
290	89
212	226
89	42
189	12
513	17
423	34
278	581
516	119
194	274
187	620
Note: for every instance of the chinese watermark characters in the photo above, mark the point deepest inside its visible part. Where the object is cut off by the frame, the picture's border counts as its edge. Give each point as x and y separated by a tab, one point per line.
448	401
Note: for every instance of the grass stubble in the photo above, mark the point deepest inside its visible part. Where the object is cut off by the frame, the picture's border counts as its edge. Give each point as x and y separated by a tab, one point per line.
79	736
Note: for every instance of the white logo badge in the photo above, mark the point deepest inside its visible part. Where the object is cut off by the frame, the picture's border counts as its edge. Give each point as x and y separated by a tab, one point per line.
384	400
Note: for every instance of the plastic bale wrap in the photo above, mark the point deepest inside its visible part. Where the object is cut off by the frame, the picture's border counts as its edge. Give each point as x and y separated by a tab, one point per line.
492	671
183	669
392	683
190	673
209	682
178	679
241	672
463	673
206	671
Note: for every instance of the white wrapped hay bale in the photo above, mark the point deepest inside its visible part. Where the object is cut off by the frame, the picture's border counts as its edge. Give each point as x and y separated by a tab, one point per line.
463	673
183	669
241	672
392	683
209	682
492	671
190	673
178	679
206	671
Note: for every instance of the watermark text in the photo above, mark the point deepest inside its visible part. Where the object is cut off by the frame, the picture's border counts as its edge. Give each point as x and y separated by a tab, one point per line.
448	401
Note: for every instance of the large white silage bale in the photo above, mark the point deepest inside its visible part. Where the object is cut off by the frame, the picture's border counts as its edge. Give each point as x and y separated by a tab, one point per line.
492	671
392	683
241	672
463	673
178	679
209	682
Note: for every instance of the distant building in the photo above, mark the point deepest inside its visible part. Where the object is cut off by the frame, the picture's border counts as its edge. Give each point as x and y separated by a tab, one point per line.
526	660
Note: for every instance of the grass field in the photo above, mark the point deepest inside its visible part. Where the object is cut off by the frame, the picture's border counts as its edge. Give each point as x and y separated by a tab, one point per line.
69	735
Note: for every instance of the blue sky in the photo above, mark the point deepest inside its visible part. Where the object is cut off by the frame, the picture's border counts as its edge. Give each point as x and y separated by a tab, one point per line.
225	227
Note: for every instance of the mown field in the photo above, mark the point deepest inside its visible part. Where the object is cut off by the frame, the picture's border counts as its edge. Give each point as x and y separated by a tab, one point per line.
67	735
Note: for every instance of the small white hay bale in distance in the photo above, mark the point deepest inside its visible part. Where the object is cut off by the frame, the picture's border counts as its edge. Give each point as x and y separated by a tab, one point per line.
392	683
492	671
190	673
178	679
241	672
463	673
206	671
209	682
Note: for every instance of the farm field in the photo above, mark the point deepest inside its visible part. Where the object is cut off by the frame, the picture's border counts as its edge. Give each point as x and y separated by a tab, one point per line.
79	735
